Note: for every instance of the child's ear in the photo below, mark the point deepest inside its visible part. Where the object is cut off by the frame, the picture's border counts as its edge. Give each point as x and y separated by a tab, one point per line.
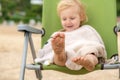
82	17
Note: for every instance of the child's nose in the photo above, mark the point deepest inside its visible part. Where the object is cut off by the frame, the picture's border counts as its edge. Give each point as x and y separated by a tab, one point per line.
68	21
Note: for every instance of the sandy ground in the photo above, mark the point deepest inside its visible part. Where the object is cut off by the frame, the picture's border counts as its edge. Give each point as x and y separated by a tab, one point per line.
11	46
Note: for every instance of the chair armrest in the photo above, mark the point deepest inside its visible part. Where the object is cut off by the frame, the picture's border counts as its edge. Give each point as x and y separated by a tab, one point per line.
26	28
117	28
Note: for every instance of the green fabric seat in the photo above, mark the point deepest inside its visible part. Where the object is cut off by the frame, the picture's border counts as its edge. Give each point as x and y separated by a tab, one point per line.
101	16
68	71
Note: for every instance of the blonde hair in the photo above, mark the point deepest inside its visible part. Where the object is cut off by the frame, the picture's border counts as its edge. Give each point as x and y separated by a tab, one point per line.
64	4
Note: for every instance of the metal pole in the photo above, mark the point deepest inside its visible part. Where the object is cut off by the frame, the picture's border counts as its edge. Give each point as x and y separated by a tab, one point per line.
38	72
24	57
118	40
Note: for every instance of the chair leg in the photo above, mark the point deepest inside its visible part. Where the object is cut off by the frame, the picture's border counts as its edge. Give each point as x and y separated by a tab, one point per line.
37	72
119	72
22	73
118	43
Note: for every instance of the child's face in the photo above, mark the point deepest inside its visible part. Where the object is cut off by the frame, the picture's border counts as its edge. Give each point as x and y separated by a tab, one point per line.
70	19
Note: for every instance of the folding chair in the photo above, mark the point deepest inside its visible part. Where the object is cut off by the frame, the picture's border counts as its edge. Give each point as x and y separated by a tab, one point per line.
101	15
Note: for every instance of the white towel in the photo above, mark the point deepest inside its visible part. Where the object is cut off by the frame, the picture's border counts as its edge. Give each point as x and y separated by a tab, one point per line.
79	42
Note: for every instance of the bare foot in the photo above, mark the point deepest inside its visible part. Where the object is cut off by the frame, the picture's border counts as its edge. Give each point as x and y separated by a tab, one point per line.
58	45
88	62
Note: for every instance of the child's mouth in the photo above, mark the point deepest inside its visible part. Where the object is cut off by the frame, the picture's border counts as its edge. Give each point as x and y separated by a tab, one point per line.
69	26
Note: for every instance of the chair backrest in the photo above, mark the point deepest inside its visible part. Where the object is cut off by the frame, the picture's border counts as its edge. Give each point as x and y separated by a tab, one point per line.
101	15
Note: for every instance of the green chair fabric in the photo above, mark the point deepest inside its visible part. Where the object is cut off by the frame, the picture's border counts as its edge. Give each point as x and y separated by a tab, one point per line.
101	15
68	71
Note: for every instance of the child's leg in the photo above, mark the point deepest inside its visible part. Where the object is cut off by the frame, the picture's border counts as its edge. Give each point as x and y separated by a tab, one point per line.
88	61
58	45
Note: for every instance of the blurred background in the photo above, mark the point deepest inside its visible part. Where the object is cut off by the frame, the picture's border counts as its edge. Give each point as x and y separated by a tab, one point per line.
26	10
118	7
20	11
118	10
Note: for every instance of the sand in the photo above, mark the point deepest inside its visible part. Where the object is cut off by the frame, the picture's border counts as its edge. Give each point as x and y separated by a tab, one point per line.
11	46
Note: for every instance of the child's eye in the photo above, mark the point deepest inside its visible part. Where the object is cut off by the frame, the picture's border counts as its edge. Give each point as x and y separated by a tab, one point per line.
64	19
72	18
